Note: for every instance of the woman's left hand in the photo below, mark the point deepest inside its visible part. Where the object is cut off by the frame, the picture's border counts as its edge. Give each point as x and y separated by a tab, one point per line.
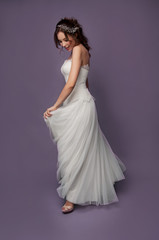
47	112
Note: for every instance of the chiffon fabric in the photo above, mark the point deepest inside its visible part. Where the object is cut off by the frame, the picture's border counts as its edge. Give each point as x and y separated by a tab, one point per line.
87	168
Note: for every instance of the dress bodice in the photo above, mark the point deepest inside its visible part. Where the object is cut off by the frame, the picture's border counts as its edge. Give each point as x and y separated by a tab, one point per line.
80	90
83	73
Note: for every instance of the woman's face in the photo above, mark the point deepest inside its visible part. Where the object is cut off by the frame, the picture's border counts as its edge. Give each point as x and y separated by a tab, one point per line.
69	43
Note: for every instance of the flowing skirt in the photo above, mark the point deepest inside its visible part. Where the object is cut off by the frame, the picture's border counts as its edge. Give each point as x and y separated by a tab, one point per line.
87	168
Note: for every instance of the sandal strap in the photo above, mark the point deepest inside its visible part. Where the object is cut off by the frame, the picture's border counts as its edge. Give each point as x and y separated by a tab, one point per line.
67	207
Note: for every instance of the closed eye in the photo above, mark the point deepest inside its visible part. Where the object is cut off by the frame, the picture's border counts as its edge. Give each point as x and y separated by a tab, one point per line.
64	40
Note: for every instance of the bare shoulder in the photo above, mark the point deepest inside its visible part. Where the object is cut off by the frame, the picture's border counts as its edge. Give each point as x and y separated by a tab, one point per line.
80	48
77	55
77	50
81	53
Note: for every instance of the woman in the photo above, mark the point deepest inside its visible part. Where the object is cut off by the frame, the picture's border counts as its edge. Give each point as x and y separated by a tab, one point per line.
87	168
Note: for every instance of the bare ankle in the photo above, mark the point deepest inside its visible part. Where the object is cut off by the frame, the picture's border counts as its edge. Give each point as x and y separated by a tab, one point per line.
69	202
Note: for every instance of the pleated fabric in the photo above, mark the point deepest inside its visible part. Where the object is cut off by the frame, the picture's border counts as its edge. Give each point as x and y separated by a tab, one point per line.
87	168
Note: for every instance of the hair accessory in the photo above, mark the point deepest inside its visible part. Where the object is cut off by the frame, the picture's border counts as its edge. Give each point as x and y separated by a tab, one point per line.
68	29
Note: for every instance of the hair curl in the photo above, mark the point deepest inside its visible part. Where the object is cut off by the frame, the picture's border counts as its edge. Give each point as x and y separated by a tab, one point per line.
78	36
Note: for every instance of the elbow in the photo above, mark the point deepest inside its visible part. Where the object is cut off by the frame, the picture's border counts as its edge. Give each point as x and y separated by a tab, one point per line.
70	86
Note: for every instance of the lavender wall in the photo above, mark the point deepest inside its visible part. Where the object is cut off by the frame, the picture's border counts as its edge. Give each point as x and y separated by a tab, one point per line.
123	78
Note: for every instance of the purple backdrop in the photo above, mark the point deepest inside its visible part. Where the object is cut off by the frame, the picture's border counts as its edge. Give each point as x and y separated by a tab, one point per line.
123	78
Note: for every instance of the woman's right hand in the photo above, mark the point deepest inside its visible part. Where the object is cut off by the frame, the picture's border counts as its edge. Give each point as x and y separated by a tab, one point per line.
47	112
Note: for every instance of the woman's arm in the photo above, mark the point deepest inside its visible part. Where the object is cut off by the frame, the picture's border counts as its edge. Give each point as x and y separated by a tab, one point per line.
75	68
63	95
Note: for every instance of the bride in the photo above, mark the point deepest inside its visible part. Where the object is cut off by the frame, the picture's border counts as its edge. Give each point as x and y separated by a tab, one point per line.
87	166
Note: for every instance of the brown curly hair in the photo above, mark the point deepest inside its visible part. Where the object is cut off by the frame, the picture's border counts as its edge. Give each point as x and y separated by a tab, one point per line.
78	36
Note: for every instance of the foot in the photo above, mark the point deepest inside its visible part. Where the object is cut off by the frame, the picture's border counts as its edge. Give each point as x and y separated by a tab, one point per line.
67	207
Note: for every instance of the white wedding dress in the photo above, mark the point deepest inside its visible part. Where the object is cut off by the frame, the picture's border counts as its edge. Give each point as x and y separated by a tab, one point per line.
87	168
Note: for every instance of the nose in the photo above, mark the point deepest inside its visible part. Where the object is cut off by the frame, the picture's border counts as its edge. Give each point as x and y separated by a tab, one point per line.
63	44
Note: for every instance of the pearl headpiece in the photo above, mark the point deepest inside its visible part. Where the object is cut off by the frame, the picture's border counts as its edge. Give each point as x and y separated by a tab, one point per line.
68	29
